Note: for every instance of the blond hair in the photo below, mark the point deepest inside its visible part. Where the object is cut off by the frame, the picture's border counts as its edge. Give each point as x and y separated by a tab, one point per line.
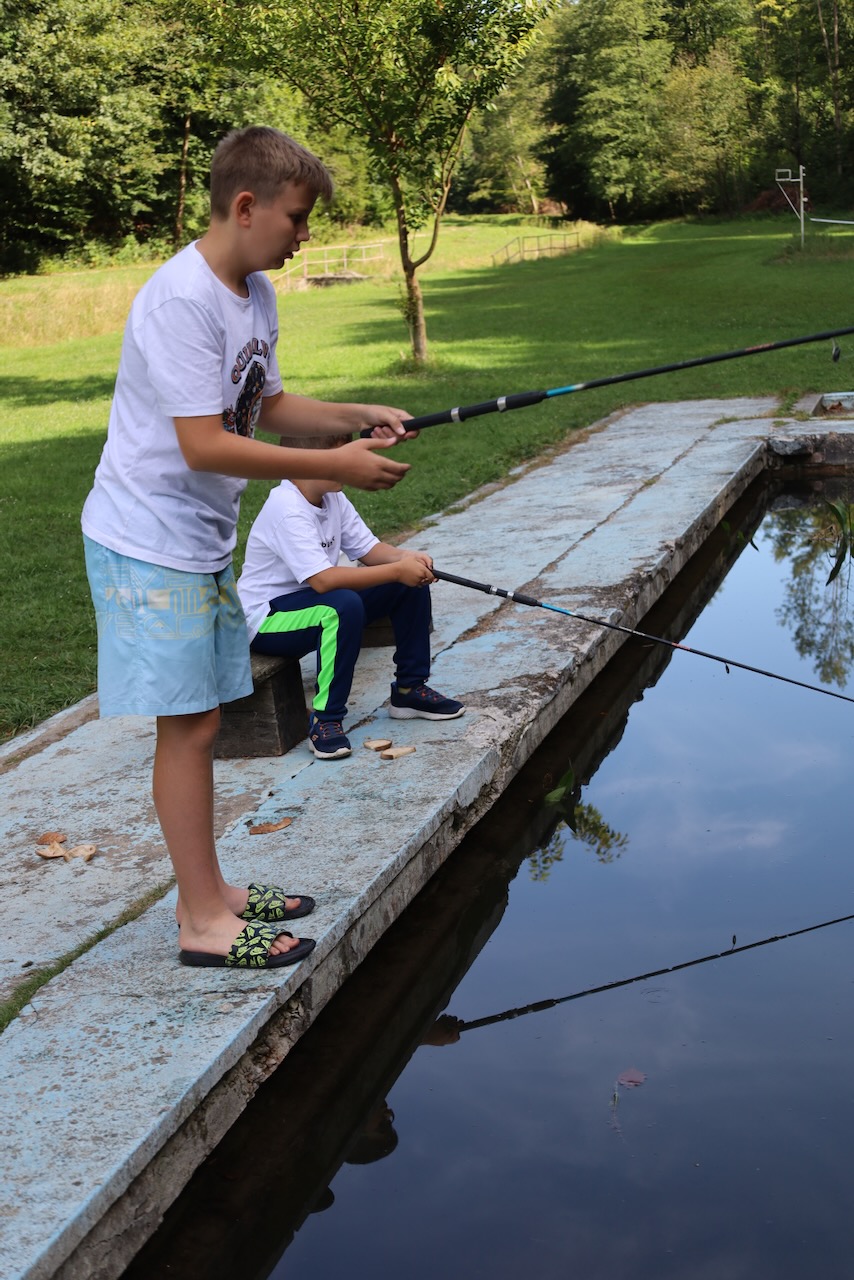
262	160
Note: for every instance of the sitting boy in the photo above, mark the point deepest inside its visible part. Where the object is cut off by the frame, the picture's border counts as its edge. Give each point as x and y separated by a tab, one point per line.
297	598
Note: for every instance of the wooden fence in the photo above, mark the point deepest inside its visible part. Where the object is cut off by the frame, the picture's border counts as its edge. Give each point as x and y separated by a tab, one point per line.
545	246
327	263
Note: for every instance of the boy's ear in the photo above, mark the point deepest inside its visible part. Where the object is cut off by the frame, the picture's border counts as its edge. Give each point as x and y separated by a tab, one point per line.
243	205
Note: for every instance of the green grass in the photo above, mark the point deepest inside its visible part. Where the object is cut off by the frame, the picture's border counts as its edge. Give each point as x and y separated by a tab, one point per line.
658	294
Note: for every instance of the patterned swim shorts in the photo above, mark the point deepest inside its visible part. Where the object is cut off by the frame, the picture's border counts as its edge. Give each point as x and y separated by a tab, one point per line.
170	643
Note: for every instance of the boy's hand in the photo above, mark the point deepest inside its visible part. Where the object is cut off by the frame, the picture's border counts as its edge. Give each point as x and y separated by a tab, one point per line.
413	572
384	423
363	465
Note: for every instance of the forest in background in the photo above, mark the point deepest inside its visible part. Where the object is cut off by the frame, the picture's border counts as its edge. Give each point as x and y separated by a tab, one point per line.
624	110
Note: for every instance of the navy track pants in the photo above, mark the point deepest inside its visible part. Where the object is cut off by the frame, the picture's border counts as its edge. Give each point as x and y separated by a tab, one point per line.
331	623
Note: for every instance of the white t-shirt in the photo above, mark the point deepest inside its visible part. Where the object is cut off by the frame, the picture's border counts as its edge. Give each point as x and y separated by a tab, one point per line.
191	347
291	540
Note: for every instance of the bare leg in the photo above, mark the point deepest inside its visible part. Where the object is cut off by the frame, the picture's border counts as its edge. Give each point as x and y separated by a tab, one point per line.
183	798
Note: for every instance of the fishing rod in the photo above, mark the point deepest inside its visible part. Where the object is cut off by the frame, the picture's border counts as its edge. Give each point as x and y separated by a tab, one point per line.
521	400
539	1005
519	598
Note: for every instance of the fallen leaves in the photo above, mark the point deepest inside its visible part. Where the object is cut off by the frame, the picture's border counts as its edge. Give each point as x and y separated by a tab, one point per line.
52	850
84	851
264	828
385	749
52	844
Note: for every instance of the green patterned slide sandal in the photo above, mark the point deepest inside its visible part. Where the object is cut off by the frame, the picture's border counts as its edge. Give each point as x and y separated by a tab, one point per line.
251	950
267	902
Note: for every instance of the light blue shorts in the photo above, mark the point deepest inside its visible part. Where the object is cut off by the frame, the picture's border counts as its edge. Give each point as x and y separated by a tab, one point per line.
170	643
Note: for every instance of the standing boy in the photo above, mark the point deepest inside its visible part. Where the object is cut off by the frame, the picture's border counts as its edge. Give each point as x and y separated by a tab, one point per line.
298	598
197	375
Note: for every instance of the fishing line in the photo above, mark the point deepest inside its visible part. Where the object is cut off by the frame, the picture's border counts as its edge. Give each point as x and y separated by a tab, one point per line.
519	598
521	400
539	1005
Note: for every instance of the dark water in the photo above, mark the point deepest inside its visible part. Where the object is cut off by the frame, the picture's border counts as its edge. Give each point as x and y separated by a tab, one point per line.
692	1123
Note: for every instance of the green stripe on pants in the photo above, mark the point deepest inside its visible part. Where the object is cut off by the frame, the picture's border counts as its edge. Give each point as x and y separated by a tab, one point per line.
326	619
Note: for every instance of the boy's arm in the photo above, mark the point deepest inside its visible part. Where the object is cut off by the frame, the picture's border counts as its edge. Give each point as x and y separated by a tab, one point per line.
207	447
407	568
285	414
385	553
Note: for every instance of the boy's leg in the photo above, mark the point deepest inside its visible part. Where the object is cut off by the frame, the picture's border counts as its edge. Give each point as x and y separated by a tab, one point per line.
173	645
183	799
331	623
409	611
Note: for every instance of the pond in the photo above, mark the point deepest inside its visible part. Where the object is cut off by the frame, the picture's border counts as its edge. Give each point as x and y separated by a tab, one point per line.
614	1036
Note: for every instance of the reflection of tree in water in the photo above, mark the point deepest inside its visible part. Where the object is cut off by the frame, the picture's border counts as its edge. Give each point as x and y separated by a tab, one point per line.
584	821
816	609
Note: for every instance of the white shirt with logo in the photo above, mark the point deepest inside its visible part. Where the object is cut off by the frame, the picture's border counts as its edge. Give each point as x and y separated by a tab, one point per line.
291	540
191	348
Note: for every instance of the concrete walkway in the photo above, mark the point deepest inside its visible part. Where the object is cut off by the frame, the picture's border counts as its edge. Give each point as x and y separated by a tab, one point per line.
126	1069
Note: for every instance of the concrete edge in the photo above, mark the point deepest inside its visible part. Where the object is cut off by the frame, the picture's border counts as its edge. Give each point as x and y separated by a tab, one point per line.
103	1252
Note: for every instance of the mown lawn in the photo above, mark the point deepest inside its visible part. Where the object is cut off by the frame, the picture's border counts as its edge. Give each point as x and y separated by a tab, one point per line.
654	295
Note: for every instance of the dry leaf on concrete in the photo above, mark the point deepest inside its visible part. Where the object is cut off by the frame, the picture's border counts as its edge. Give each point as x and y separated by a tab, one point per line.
394	753
52	837
84	851
264	828
52	850
378	744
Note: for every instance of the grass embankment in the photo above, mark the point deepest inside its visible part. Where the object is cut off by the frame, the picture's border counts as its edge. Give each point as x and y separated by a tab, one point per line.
660	294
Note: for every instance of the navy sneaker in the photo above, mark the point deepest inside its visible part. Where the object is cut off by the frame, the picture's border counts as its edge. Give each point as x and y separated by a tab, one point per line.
422	703
327	739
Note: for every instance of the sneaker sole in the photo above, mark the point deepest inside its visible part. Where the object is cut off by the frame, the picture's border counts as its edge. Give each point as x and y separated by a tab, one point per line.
331	755
409	713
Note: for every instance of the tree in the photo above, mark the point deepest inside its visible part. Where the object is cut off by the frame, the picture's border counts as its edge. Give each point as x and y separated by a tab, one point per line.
616	60
77	144
501	167
807	88
697	26
403	75
707	132
106	104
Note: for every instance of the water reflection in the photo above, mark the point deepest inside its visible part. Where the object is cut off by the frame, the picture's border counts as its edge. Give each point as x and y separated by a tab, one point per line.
816	543
676	1106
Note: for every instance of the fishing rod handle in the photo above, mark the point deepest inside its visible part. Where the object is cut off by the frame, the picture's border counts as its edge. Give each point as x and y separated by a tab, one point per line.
517	401
485	587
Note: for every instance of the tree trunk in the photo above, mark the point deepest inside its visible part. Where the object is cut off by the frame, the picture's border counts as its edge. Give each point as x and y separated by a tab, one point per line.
414	305
413	310
415	317
182	183
831	50
528	185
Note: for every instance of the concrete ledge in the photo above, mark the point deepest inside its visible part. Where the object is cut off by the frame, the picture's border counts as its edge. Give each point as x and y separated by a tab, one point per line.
124	1071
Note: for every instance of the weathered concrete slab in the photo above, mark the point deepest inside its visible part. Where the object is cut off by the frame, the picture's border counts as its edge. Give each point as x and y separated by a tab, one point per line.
124	1070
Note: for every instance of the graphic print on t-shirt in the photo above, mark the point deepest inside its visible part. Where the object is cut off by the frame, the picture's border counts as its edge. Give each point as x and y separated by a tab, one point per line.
242	418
